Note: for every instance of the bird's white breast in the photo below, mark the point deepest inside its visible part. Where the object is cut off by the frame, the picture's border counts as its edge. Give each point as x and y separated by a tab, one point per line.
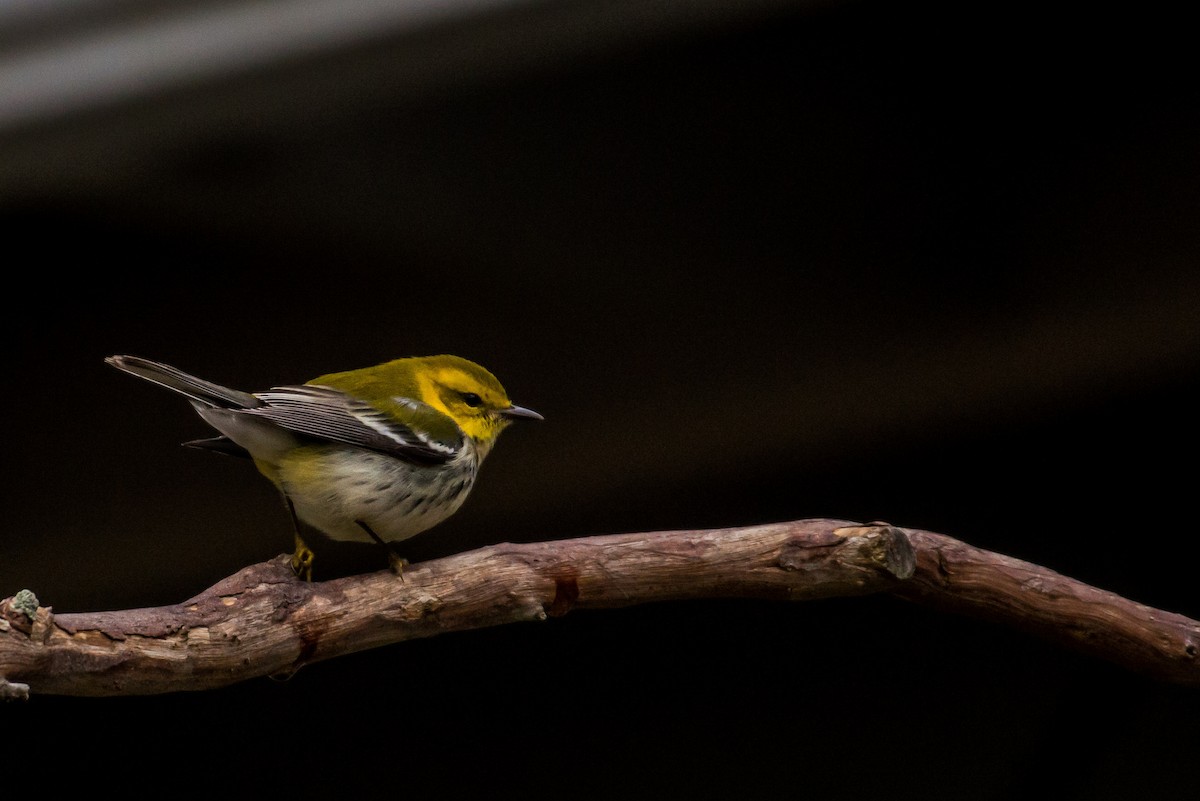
334	488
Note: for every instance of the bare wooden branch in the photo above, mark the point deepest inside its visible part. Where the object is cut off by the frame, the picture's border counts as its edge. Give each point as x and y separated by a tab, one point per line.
958	578
263	621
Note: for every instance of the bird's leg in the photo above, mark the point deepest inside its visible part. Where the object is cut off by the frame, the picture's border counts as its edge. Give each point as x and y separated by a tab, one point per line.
302	558
395	561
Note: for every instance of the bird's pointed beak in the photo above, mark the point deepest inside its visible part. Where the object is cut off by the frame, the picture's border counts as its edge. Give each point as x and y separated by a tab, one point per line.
519	412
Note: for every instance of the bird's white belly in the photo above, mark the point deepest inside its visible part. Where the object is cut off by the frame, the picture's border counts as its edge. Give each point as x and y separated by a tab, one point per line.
341	490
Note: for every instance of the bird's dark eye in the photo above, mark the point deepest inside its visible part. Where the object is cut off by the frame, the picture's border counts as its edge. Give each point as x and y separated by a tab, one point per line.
471	399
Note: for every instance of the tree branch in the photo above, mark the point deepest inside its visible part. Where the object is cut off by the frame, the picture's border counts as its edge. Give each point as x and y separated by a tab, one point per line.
263	621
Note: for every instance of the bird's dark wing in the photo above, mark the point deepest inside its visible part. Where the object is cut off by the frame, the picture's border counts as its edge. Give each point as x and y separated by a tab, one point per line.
329	414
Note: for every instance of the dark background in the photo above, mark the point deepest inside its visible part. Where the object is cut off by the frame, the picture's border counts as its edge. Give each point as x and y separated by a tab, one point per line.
842	259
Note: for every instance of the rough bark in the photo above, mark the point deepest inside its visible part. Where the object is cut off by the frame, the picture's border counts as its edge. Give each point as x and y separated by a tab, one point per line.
263	621
957	577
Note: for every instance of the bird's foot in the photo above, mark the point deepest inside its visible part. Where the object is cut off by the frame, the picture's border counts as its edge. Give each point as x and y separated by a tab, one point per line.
397	563
302	561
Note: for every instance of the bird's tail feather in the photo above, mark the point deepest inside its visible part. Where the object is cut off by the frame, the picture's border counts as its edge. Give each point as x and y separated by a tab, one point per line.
199	390
220	444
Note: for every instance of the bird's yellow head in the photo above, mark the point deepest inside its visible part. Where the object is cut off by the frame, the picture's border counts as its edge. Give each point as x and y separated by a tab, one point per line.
469	394
462	390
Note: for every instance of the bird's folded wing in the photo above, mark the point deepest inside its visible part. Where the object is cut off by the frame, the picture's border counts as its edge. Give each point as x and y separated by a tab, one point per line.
329	414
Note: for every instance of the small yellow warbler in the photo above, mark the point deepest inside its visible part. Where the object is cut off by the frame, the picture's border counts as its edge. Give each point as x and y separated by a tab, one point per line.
377	455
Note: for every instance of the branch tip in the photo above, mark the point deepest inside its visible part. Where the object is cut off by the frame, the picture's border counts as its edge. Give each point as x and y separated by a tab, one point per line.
12	691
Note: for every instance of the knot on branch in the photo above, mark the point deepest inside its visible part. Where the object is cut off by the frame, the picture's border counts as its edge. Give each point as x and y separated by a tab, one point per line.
876	548
883	545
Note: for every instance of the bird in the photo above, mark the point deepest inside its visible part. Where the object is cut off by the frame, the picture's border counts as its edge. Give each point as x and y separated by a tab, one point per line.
372	455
